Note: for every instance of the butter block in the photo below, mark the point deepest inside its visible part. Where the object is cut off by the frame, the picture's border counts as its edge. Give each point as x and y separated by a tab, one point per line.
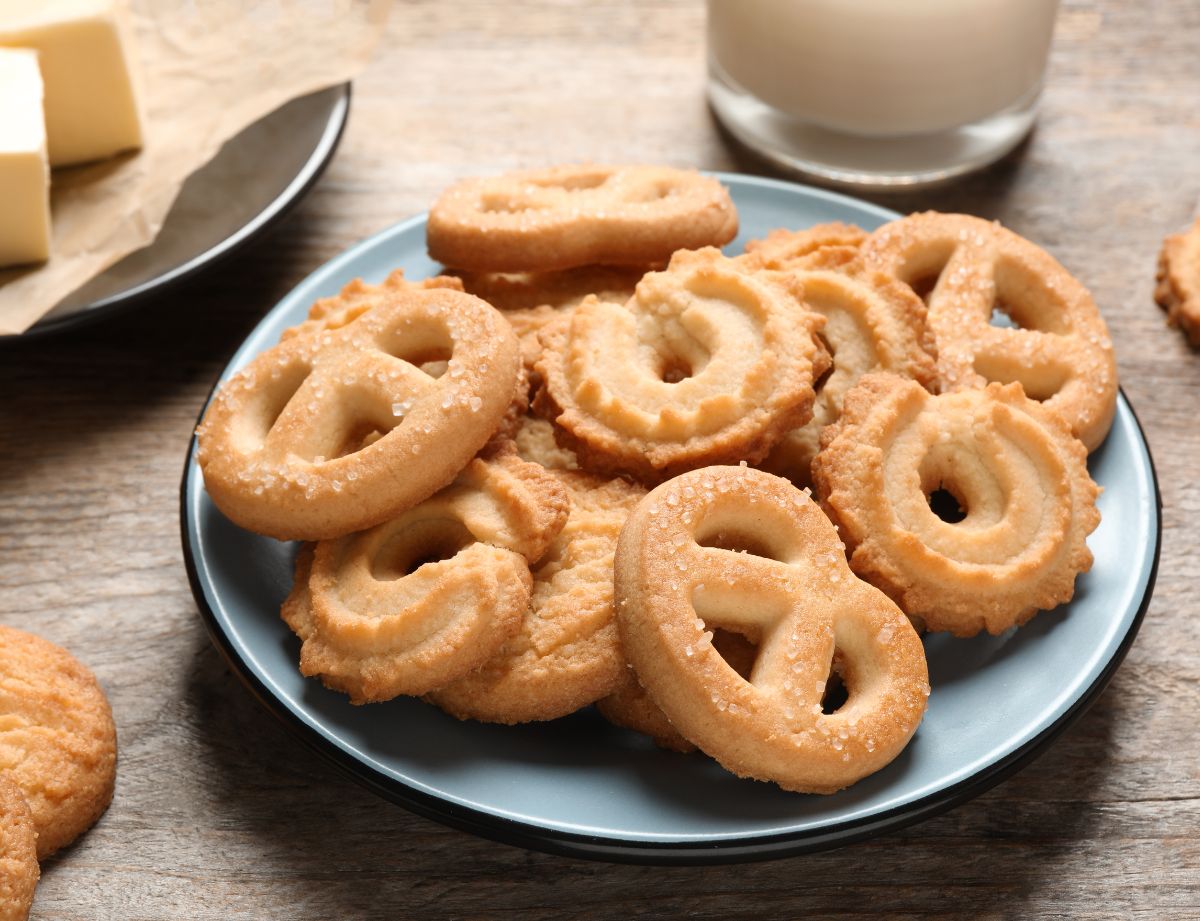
84	50
24	172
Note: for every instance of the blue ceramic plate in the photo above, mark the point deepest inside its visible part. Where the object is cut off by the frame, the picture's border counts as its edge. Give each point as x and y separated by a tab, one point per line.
579	786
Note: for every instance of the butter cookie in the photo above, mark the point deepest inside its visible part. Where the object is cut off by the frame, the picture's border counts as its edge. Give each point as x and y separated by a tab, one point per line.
706	364
970	509
568	216
738	549
968	269
419	601
330	433
58	742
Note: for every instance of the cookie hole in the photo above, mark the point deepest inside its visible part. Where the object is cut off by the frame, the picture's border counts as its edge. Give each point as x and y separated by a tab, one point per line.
923	270
659	191
421	543
923	286
495	203
432	360
360	436
675	369
278	394
1025	301
1002	319
836	693
738	651
1016	315
947	506
819	383
578	183
736	542
1040	382
425	342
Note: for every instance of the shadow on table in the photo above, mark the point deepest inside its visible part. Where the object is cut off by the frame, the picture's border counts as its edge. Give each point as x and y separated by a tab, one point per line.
332	849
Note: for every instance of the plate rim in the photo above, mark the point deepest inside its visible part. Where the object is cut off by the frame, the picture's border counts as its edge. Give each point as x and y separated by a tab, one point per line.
254	229
507	830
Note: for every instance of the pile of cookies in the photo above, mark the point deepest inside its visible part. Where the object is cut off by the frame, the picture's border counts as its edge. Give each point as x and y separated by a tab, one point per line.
58	759
580	467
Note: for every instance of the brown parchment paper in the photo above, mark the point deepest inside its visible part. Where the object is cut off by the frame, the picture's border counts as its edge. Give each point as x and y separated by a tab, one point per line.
206	70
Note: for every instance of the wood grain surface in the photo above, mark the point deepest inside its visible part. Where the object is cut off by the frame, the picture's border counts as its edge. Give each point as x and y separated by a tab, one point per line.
220	814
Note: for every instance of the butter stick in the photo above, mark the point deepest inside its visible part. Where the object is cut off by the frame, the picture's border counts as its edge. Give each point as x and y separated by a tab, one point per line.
84	53
24	173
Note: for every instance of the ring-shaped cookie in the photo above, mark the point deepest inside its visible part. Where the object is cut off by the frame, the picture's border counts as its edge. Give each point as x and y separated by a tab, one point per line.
418	602
1061	352
569	216
738	549
706	364
1019	479
330	433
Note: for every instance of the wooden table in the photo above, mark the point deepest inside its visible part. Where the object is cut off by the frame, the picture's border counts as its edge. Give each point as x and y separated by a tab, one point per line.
220	814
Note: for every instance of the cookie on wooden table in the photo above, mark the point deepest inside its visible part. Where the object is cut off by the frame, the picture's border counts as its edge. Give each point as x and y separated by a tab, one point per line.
58	743
18	854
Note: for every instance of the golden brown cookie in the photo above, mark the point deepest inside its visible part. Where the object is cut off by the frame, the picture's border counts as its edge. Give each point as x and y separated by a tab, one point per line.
1061	354
566	654
1024	503
418	602
1178	290
737	549
707	363
568	216
19	870
58	742
330	433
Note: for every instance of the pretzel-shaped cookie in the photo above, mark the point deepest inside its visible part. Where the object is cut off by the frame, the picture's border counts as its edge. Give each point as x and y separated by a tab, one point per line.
326	434
1061	355
420	601
706	364
567	216
1025	501
679	576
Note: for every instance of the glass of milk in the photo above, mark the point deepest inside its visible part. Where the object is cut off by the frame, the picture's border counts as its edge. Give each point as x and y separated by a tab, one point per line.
878	93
